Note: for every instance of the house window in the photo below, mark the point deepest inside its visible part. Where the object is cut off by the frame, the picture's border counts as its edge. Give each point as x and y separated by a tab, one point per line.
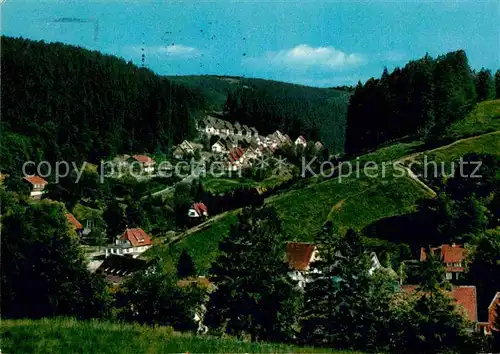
449	276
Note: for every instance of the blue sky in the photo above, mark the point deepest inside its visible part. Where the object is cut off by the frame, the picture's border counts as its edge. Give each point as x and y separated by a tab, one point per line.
308	42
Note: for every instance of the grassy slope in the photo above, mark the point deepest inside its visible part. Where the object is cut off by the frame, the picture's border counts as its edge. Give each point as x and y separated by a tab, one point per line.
358	202
64	336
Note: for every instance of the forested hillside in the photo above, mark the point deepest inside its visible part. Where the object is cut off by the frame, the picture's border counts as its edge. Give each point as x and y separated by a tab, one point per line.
315	113
420	99
65	102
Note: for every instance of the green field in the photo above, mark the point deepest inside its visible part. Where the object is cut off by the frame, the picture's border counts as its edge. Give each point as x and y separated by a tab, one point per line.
485	118
65	336
202	246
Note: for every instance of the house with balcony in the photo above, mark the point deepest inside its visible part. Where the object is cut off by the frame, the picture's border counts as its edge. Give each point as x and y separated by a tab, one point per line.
132	242
38	185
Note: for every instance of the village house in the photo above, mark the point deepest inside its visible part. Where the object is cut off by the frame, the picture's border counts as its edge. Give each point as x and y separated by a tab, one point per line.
115	268
37	186
133	241
236	158
238	129
465	297
254	132
75	224
247	131
300	256
452	256
301	141
219	147
488	327
318	146
147	163
198	210
209	123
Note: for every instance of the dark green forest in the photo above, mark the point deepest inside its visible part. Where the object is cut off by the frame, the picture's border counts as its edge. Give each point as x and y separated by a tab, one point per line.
315	113
65	102
419	100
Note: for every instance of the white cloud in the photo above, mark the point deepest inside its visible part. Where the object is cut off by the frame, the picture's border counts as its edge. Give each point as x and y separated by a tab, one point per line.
305	56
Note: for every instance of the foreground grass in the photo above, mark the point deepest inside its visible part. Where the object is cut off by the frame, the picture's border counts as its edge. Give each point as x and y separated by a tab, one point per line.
63	335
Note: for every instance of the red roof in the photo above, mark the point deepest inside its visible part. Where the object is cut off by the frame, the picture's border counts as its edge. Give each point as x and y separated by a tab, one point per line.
236	153
36	180
144	159
200	208
299	255
448	253
463	295
137	237
73	221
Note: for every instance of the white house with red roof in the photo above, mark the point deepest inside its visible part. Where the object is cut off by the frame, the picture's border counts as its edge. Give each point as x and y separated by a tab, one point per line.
147	163
37	186
452	256
198	210
75	224
133	241
301	141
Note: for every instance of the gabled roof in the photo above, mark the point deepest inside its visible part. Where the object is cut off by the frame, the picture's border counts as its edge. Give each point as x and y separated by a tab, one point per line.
36	180
464	295
447	253
301	139
299	255
73	221
200	208
143	159
137	237
115	267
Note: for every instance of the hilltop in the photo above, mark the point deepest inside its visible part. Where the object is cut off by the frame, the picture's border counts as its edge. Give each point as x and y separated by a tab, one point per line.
65	335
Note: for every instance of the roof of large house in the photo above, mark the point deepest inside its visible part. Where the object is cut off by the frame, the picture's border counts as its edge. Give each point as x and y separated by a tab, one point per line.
299	255
448	253
137	237
464	295
495	298
73	221
200	208
301	139
143	159
36	180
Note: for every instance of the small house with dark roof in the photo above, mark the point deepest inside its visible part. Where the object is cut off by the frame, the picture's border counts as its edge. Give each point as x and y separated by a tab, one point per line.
133	241
75	224
246	131
452	256
254	132
198	210
37	186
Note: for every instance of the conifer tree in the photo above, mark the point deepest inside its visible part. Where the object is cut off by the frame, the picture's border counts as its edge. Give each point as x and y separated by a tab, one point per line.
497	84
485	87
336	299
254	296
185	265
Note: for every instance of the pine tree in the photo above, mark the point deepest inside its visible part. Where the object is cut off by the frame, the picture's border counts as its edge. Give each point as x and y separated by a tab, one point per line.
255	295
485	87
185	265
336	301
497	84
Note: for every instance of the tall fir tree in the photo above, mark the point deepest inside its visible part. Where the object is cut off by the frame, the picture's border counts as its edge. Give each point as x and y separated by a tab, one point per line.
485	87
254	295
336	300
497	84
185	265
